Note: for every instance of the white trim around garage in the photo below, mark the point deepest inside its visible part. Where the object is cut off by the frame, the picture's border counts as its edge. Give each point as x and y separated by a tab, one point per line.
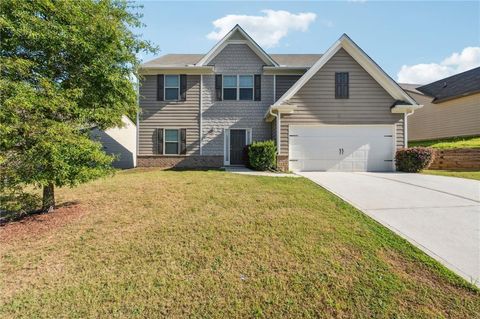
391	126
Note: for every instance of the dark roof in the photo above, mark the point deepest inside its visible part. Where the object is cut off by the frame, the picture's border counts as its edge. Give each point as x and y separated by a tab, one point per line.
458	85
182	60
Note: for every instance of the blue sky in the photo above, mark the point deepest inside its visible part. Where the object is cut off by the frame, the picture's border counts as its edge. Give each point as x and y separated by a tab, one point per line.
423	37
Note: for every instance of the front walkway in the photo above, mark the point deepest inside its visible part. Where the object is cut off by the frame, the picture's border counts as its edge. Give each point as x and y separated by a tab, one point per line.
438	214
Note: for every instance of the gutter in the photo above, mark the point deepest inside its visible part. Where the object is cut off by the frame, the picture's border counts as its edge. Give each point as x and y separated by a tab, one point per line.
277	137
200	124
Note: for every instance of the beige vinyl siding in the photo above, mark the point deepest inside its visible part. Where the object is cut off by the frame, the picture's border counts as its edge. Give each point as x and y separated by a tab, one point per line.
457	117
368	104
283	83
167	114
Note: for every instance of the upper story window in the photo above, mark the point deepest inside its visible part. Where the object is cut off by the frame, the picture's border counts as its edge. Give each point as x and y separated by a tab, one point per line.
246	87
230	87
238	87
341	85
172	87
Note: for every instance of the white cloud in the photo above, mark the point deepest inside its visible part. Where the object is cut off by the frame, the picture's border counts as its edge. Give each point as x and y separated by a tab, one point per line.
267	30
425	73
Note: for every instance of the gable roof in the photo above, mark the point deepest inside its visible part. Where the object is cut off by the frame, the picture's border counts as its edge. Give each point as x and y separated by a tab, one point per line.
364	60
458	85
236	35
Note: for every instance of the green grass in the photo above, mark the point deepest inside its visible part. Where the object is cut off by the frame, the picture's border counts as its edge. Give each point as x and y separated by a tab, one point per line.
462	174
449	143
218	245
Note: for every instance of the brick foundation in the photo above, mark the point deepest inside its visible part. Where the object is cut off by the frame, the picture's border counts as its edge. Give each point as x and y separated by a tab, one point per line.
282	163
180	161
456	159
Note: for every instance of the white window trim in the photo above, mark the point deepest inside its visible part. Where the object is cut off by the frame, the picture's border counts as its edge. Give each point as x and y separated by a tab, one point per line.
226	142
178	140
239	87
171	87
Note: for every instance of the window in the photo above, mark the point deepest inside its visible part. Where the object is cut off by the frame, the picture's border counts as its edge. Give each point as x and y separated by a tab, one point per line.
246	87
341	85
171	141
229	87
172	87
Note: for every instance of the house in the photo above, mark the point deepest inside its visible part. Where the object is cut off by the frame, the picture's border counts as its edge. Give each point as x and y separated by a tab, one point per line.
451	107
337	111
119	141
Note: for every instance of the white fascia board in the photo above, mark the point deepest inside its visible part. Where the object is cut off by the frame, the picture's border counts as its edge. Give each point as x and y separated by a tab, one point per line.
283	109
225	41
362	58
405	108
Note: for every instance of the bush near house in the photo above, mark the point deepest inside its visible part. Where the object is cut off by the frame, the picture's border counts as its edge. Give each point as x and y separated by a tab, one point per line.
262	156
414	159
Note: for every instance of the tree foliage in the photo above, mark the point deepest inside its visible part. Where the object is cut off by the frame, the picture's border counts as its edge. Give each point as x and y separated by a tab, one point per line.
66	66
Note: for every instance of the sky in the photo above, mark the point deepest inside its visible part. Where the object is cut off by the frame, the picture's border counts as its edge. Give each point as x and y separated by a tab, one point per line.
414	42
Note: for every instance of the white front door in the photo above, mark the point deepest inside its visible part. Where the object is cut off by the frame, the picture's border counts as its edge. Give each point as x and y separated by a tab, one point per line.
347	148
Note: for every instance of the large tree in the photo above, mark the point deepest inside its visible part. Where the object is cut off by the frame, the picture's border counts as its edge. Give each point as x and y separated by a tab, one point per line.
66	66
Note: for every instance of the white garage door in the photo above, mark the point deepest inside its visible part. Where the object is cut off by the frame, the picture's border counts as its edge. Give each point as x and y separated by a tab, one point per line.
341	148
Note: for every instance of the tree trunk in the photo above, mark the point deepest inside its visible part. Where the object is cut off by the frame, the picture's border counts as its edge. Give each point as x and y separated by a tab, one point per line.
48	198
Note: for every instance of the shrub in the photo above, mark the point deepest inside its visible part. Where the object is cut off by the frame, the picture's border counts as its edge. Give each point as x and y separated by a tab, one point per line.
414	159
262	156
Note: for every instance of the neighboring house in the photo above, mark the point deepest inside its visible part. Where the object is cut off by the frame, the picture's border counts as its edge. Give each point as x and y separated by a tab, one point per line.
451	107
336	111
119	141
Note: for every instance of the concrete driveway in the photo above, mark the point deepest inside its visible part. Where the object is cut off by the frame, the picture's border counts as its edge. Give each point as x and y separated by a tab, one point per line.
440	215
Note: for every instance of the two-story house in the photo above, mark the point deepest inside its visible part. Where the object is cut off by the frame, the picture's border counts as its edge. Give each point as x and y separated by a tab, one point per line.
336	111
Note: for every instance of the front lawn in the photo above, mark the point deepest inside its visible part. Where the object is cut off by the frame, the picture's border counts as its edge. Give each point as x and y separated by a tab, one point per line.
462	174
151	243
449	143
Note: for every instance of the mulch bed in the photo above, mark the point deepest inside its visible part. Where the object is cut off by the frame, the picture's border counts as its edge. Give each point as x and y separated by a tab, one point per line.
38	224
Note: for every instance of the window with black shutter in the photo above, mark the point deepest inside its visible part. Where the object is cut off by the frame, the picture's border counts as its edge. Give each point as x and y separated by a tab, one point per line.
218	87
258	87
341	85
160	87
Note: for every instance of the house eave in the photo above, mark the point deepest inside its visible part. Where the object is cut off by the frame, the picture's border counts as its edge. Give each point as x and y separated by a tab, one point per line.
405	108
193	70
280	109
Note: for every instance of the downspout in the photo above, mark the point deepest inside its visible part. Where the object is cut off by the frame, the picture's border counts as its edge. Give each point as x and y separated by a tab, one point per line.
137	129
200	134
277	117
405	123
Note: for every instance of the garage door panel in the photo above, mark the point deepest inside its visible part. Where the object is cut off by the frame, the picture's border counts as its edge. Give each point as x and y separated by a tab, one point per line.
341	148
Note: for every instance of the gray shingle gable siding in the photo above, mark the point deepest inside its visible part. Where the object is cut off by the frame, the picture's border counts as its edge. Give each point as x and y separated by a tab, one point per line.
221	115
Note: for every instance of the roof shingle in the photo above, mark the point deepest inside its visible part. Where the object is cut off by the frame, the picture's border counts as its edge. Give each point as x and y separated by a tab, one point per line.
461	84
182	60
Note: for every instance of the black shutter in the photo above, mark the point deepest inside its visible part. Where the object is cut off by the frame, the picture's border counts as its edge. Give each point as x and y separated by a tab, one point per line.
159	139
183	87
346	85
183	141
218	87
159	87
341	85
258	87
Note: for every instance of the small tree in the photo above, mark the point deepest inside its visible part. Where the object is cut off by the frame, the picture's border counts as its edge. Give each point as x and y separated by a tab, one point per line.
66	66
